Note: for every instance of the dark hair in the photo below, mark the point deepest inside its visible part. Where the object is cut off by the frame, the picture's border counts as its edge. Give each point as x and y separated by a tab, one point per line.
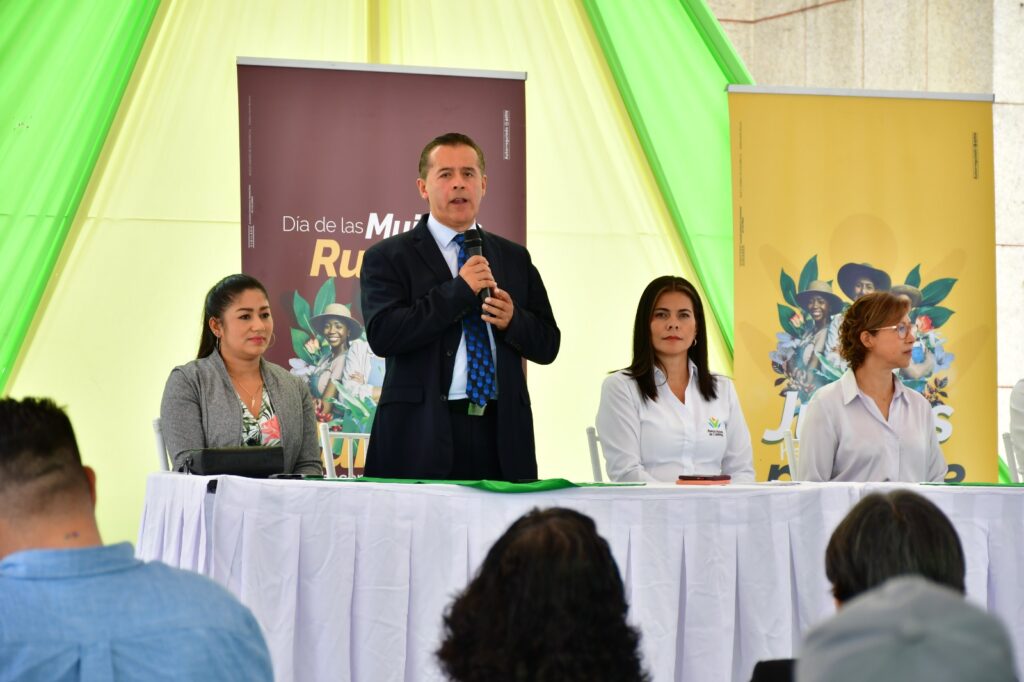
218	298
449	140
39	459
546	605
870	311
644	360
888	535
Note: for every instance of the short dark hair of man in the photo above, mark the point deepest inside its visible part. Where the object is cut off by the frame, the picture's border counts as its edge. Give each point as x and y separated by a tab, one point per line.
39	459
449	140
547	605
884	536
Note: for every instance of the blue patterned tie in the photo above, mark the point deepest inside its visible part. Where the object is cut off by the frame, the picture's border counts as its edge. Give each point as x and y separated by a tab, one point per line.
480	382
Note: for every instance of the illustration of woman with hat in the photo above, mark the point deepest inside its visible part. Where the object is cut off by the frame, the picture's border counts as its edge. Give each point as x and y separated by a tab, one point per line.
820	304
349	361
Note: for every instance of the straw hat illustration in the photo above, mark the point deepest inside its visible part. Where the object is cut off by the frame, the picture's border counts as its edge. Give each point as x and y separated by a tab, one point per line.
912	293
822	290
337	311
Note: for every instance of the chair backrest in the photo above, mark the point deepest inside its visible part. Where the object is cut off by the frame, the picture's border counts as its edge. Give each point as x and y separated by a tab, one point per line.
1013	459
161	449
792	447
353	447
593	441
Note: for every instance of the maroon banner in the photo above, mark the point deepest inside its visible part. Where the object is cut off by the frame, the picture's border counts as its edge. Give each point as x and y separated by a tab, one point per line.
329	157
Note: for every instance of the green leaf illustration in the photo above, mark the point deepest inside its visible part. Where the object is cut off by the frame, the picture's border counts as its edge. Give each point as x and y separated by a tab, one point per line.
301	309
788	288
914	276
938	315
299	339
916	385
935	292
785	312
809	273
324	297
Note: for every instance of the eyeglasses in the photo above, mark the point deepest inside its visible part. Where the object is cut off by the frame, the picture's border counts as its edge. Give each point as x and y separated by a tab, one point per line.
901	329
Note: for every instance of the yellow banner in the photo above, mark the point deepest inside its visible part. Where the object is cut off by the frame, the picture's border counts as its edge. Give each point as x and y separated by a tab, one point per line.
836	195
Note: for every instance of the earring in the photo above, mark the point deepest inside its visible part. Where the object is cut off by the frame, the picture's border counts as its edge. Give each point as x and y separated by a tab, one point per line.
273	339
217	342
694	344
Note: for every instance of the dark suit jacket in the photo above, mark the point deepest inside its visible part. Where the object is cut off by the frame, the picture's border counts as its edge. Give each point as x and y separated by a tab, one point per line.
413	309
775	670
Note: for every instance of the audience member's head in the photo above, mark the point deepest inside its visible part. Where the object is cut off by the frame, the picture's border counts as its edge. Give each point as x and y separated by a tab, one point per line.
66	609
889	535
908	630
547	604
42	480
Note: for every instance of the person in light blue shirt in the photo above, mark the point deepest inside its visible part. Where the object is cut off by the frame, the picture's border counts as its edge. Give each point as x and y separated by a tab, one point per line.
72	608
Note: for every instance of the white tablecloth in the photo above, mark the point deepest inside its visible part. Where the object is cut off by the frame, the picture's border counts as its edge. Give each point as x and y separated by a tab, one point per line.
349	580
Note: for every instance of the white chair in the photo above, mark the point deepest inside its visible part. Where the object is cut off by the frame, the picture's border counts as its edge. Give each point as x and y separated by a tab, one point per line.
1013	459
791	445
353	450
595	454
161	449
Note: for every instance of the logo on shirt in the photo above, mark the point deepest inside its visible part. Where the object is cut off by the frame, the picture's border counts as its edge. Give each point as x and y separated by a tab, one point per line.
715	427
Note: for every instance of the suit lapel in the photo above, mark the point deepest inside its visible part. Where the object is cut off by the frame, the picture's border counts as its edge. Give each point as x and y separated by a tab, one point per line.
493	255
427	249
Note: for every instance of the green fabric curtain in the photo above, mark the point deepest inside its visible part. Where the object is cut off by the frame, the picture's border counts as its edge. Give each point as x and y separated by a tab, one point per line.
671	63
63	69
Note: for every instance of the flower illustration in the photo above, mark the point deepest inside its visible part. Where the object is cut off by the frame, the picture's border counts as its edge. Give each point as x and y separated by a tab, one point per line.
924	324
271	429
299	367
323	410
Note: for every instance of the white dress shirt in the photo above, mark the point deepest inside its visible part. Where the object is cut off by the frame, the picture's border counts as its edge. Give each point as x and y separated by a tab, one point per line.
445	238
657	440
844	437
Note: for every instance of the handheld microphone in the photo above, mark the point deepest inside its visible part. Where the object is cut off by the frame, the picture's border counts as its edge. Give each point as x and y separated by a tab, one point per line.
475	247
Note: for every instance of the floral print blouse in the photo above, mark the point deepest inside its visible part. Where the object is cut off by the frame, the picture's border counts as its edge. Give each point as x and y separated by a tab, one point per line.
264	431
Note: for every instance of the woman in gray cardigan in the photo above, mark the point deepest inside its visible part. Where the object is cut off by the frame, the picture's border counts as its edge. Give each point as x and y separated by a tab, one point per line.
229	395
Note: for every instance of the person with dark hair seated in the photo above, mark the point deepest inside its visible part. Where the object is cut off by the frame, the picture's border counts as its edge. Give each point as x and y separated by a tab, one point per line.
893	534
547	605
667	414
72	608
884	536
229	395
909	630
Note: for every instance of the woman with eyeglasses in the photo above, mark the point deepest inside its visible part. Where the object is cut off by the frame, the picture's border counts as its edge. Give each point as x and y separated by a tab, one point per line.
868	426
229	395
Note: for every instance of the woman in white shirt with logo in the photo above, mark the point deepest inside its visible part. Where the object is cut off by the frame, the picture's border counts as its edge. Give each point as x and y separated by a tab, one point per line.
666	414
868	426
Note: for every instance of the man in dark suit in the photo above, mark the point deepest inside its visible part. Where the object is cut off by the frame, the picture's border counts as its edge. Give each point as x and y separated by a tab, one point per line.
454	403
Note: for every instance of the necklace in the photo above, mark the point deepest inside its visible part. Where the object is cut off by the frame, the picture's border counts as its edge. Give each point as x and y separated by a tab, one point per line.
252	394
